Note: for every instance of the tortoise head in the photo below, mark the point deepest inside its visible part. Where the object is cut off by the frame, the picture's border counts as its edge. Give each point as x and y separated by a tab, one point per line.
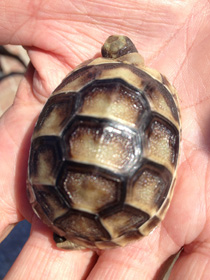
121	48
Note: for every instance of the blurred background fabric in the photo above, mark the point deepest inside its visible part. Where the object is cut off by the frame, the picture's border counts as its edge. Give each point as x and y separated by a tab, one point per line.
13	62
12	245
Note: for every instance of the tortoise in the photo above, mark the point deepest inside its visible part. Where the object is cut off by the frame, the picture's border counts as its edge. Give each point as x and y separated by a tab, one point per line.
104	151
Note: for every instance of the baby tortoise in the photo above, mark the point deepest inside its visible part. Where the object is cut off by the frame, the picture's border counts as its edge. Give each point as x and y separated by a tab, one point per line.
104	151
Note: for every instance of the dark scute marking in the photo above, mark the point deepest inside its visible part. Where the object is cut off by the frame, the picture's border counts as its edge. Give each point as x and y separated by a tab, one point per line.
132	235
38	209
89	168
70	167
82	225
174	139
123	90
51	148
96	123
126	136
64	106
153	222
125	219
110	86
150	84
87	73
165	80
112	83
154	167
50	200
158	171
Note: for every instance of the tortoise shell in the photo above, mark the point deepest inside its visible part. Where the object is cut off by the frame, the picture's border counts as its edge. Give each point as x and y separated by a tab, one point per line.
104	151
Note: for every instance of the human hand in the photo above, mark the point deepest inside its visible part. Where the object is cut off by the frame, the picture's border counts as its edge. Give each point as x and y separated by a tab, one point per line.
173	37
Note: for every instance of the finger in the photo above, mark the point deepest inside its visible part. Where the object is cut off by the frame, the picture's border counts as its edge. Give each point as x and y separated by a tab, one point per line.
193	264
36	16
139	260
40	259
15	129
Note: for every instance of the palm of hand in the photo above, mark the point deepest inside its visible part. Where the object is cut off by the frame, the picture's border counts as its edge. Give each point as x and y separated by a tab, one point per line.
177	45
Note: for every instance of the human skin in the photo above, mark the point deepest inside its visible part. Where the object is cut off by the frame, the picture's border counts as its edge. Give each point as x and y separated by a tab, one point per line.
173	37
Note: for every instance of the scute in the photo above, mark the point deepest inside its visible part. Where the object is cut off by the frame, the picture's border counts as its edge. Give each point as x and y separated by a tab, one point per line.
83	225
102	144
124	220
51	201
88	191
104	151
52	120
114	100
45	159
148	189
162	142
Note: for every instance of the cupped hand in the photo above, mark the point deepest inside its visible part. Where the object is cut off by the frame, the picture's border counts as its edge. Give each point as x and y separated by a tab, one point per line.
173	37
